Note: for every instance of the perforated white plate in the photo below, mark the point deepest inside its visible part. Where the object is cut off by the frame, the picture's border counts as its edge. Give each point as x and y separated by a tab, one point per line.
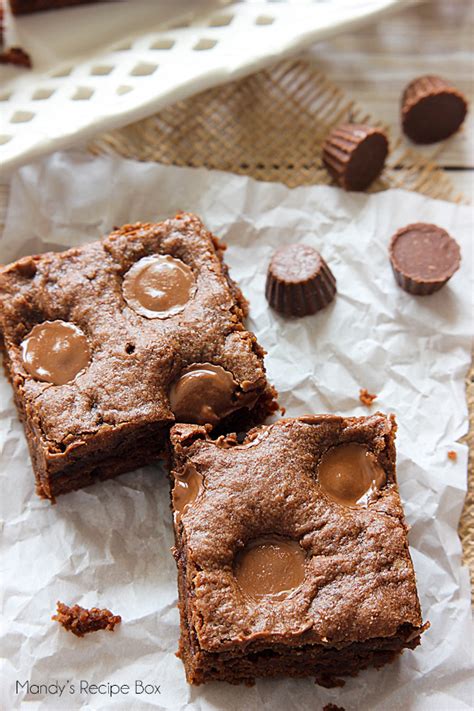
102	66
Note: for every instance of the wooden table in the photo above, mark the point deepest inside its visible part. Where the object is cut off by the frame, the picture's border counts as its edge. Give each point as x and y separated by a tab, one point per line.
376	62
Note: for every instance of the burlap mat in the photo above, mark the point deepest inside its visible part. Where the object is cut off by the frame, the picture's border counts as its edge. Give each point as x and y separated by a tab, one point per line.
271	126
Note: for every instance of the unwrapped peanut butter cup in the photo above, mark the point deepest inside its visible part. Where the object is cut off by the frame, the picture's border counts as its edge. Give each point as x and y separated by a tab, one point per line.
423	257
206	393
355	155
299	282
432	109
55	352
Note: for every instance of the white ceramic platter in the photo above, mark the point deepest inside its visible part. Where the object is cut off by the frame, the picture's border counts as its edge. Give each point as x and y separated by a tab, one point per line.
102	66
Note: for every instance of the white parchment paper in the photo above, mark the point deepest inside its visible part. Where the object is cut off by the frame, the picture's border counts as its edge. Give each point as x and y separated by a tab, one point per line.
108	545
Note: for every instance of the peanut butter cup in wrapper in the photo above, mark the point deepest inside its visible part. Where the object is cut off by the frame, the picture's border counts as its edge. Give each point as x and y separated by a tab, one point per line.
432	109
299	282
355	155
423	258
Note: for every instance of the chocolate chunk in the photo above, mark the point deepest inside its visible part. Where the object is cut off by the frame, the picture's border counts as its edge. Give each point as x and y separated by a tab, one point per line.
423	257
159	286
432	109
299	282
270	566
355	155
350	474
55	351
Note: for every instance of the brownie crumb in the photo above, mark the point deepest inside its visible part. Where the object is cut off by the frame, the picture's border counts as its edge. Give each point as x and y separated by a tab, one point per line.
452	455
16	56
80	621
366	398
333	707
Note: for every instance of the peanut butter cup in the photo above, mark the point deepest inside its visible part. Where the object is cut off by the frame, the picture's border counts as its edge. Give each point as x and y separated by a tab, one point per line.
205	394
423	258
355	155
158	286
299	282
55	352
270	566
432	109
350	474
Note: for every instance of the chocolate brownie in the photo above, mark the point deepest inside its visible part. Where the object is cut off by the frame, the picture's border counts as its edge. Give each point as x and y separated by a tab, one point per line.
292	550
98	338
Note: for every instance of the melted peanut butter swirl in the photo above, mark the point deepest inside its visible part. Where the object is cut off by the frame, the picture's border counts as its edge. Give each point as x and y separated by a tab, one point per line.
159	286
55	352
350	474
270	566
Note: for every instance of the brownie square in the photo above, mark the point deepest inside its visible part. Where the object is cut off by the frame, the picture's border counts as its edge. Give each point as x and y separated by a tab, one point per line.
97	339
292	550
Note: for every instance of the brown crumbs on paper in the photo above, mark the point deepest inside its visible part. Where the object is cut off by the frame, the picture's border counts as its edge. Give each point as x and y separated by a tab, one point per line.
80	621
366	398
16	56
452	455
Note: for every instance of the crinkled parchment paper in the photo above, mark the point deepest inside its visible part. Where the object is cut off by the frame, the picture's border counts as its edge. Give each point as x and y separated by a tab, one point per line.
108	545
